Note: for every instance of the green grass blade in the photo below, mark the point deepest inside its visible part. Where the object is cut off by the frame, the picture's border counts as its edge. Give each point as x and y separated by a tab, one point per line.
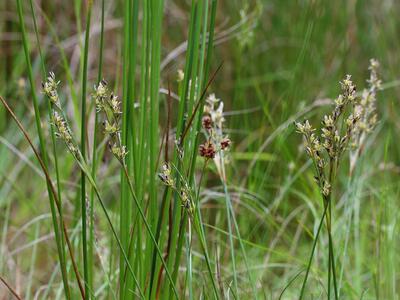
42	147
83	152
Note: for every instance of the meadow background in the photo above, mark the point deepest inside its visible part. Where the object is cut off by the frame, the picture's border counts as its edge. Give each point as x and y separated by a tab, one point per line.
271	63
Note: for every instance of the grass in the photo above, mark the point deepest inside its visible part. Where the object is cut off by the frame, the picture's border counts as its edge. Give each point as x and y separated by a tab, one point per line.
82	219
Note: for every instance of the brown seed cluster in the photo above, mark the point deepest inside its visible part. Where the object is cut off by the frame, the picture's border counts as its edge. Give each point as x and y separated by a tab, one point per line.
212	123
207	150
225	143
207	122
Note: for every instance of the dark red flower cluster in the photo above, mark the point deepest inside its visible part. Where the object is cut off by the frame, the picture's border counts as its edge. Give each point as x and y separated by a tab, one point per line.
207	150
225	143
207	122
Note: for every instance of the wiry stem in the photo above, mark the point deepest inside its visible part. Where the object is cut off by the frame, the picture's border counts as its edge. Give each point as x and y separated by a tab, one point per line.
10	289
321	222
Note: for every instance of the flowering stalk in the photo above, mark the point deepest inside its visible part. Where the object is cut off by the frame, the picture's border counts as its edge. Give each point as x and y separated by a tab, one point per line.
64	133
326	150
50	90
215	147
366	109
326	156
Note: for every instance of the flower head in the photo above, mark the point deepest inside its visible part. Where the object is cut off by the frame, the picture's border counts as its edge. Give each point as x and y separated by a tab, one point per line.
165	175
207	122
207	150
100	94
64	133
225	143
119	152
50	89
115	104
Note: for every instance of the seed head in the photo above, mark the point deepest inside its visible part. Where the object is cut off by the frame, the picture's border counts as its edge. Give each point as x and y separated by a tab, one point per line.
207	122
50	89
328	121
211	100
225	143
119	152
101	90
165	175
207	150
374	81
186	201
304	128
217	115
115	104
110	129
63	132
100	94
348	88
326	189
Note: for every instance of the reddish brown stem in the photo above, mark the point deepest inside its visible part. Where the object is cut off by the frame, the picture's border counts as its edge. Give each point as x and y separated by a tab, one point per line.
11	290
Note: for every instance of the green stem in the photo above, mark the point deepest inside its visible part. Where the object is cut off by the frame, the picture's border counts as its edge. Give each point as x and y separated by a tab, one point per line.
331	258
94	157
328	226
83	152
232	212
83	166
43	150
312	252
206	256
335	289
228	215
148	228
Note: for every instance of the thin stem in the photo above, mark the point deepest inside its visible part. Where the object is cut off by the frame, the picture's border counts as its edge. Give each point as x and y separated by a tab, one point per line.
125	170
312	252
204	248
232	212
82	164
125	257
10	289
83	151
335	289
94	156
331	258
328	226
231	244
201	232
